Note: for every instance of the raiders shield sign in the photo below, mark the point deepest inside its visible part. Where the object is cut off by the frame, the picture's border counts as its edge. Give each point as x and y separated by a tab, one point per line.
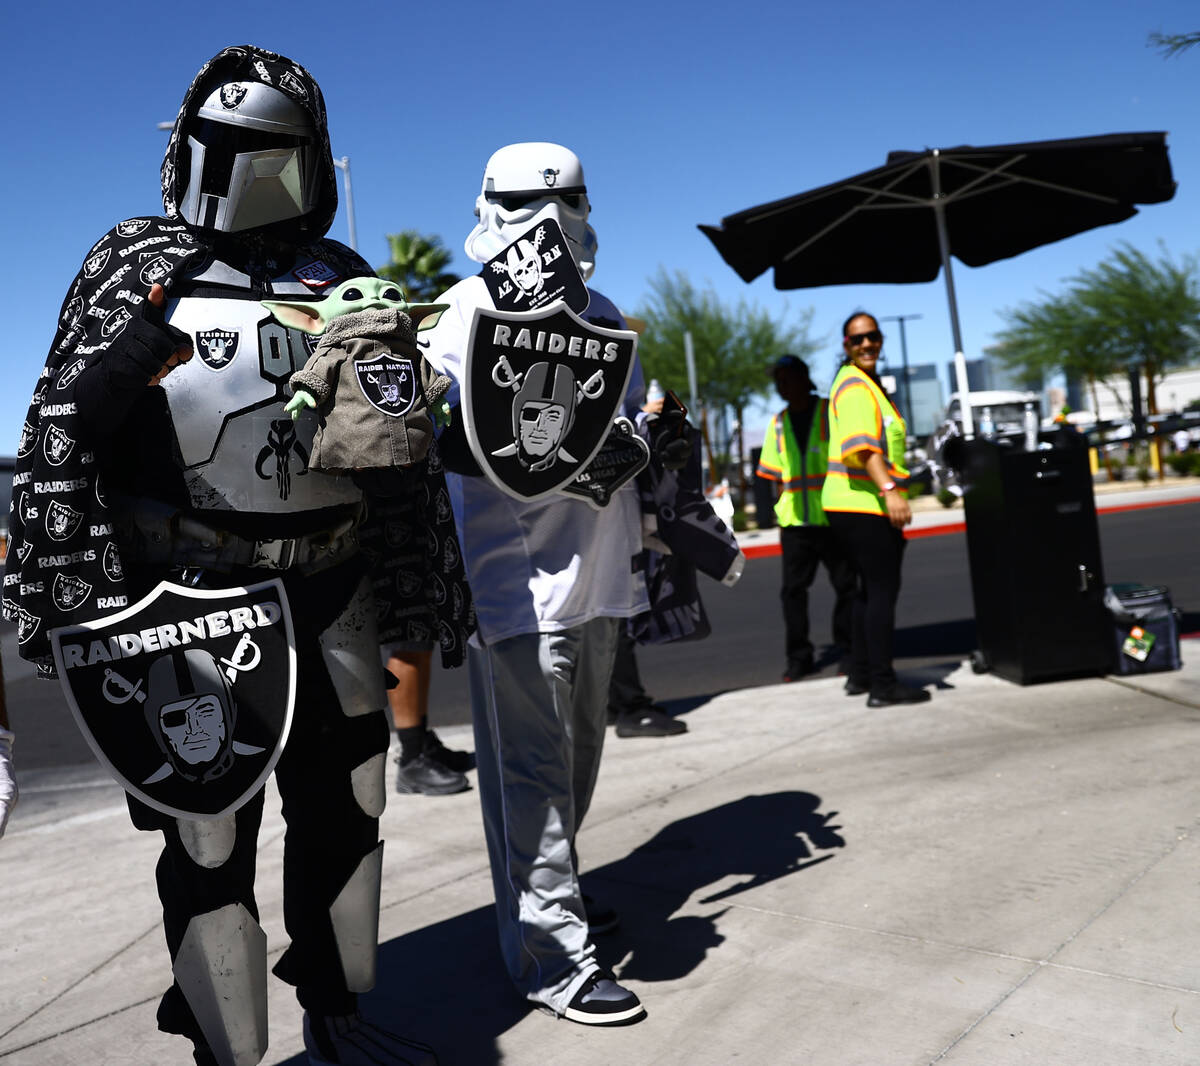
540	392
389	383
185	697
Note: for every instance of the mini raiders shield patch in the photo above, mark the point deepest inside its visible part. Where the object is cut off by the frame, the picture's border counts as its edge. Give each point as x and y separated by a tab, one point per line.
389	382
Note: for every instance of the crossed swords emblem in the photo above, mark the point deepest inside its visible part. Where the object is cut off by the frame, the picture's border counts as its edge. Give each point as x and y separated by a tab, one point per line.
507	378
118	689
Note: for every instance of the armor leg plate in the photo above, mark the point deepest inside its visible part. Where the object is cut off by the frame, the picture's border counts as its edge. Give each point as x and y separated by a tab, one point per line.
355	918
221	967
208	844
367	782
350	648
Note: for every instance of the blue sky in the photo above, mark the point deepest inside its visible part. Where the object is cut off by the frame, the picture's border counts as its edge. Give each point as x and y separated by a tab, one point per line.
681	113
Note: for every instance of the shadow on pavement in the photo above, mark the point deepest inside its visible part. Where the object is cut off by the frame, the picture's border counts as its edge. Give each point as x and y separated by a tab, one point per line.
446	986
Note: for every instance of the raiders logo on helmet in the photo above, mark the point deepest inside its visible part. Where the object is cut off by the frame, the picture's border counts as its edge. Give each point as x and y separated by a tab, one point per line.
232	95
70	374
56	445
389	382
216	347
69	592
132	227
113	570
95	263
155	270
62	520
292	84
115	321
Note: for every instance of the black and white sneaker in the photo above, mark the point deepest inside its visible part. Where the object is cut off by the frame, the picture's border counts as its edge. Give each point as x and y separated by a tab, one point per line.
601	1001
348	1040
423	776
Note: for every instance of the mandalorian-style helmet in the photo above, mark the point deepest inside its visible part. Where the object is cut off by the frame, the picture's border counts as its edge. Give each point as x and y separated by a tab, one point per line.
254	159
190	710
523	184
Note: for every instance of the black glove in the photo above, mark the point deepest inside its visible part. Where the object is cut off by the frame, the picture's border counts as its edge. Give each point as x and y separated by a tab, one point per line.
671	439
145	345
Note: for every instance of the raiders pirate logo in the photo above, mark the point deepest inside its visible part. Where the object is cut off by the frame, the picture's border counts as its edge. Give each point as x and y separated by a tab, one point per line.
446	638
71	313
95	263
24	550
408	584
232	95
115	321
316	275
113	570
56	445
389	383
70	374
537	269
438	589
155	270
396	534
186	697
62	520
292	84
26	510
450	555
132	227
27	442
216	347
69	592
550	177
540	391
27	625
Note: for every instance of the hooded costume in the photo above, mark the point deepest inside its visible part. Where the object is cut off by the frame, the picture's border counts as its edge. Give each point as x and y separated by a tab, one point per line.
118	485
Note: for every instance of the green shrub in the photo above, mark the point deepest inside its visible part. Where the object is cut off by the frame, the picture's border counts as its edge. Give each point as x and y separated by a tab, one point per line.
917	488
740	524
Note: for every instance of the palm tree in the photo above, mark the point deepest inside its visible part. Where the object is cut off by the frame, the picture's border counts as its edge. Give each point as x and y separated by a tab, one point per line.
418	265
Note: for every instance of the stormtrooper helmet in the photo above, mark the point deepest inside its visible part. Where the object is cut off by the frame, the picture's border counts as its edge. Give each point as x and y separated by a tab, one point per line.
254	159
524	184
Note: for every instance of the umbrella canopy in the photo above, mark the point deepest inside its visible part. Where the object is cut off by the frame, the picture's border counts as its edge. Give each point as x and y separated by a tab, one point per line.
997	202
913	213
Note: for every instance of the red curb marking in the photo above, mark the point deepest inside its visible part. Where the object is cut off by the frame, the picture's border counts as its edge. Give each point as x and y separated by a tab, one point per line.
759	551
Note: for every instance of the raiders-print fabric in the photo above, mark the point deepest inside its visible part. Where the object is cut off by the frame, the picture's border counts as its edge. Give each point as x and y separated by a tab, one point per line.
421	591
64	564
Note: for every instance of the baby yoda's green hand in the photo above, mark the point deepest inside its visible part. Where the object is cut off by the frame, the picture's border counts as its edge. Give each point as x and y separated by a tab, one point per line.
297	403
441	414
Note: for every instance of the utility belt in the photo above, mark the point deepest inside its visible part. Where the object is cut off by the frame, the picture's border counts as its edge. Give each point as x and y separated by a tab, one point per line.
163	535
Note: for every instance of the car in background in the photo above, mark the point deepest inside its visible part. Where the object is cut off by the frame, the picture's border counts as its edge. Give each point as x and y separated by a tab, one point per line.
1007	410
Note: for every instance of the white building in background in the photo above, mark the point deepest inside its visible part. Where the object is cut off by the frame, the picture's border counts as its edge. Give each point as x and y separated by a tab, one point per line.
1173	393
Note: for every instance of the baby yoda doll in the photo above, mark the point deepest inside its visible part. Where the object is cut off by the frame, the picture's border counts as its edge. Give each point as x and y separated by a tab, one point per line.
367	379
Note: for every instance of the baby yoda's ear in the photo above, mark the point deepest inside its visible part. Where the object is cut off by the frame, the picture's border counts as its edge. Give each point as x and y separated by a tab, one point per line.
425	316
305	317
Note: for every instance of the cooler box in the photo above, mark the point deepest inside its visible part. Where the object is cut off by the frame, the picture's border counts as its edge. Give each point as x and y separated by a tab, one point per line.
1146	628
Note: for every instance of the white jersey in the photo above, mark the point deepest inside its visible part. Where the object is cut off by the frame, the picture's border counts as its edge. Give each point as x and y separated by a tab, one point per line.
554	563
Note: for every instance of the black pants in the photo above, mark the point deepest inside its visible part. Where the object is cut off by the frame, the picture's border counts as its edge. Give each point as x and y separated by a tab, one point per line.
626	696
803	548
328	833
876	549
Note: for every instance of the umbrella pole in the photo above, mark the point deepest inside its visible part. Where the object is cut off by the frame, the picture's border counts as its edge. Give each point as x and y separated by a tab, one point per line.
960	360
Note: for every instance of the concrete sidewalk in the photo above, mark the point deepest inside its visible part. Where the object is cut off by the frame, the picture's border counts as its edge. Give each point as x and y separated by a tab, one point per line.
1003	875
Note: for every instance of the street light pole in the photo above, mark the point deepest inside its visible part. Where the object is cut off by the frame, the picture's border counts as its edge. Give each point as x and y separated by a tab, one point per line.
343	165
904	358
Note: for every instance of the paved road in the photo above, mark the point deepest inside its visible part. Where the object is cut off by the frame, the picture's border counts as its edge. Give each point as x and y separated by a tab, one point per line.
935	627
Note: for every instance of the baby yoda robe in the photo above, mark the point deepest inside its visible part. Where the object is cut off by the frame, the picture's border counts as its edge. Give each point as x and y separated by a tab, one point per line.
374	392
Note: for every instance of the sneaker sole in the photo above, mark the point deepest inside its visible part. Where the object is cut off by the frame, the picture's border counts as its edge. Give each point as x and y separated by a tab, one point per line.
412	790
624	1017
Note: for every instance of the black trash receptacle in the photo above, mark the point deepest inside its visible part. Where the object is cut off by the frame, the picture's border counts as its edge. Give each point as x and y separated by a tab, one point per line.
1036	571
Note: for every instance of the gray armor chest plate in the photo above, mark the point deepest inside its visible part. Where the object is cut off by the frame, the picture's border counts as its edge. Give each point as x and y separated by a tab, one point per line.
241	450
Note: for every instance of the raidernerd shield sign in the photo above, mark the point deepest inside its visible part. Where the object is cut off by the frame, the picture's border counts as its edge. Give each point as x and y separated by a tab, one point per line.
540	391
185	697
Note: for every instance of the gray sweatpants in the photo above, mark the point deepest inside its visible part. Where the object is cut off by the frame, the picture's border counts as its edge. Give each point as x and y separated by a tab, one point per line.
539	703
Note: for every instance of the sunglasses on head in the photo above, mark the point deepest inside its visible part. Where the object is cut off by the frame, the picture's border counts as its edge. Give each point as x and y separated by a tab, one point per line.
516	201
856	339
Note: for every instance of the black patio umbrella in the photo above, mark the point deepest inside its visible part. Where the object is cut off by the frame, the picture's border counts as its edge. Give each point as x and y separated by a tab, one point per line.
903	221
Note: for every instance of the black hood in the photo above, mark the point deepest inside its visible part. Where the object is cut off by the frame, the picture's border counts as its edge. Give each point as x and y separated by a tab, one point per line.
248	63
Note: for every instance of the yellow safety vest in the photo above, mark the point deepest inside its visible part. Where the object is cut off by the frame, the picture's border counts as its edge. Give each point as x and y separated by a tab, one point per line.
801	471
861	418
